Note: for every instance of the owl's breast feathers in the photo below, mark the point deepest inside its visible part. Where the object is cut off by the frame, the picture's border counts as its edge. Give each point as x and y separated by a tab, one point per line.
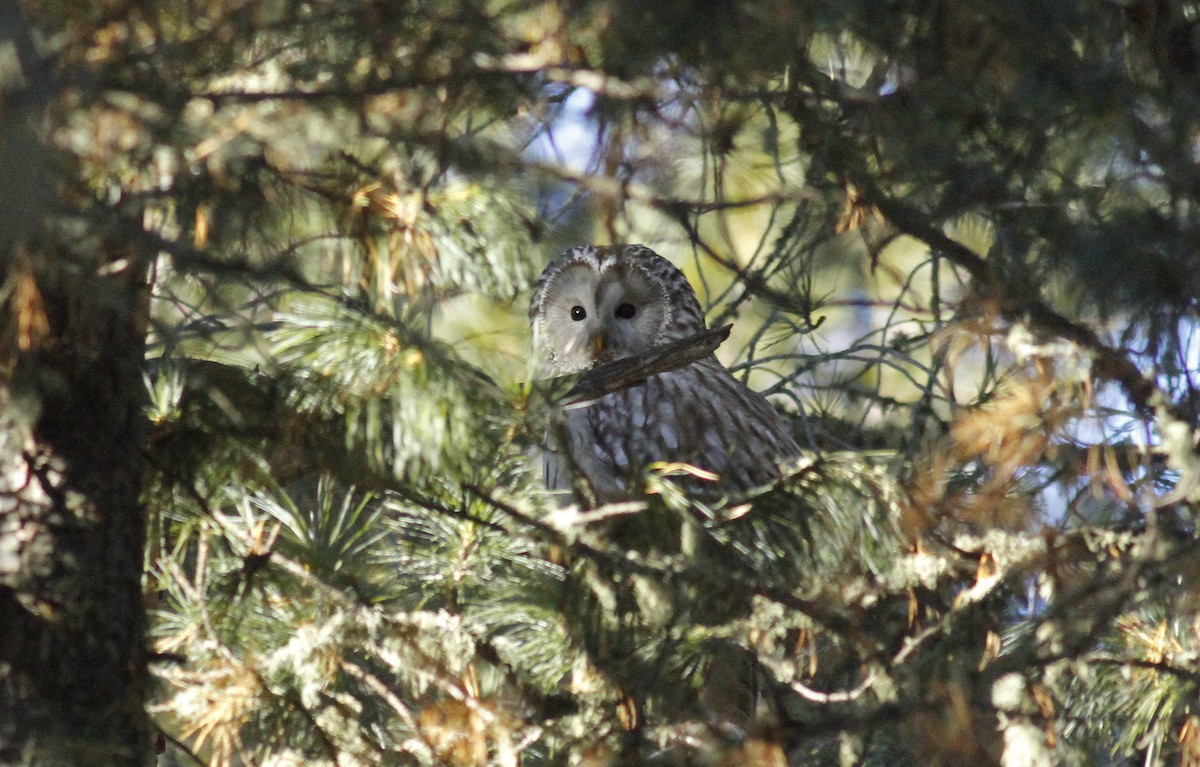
699	415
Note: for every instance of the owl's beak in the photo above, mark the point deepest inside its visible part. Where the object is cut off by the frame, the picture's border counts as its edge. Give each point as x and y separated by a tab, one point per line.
598	342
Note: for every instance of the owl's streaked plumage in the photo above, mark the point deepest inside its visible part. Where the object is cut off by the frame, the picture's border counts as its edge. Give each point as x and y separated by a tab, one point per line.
598	304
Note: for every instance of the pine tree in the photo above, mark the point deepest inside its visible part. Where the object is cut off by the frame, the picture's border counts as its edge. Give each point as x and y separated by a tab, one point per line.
268	421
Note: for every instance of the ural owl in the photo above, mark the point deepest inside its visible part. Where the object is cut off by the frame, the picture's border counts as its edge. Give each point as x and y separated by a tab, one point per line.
598	304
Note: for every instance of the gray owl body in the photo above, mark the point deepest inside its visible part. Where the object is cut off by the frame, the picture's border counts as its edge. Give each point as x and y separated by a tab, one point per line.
598	304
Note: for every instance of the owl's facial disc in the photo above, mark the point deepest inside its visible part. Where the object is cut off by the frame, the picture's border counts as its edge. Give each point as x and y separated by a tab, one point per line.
632	311
591	318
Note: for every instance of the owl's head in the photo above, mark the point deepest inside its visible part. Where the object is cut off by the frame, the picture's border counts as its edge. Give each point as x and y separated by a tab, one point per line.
597	304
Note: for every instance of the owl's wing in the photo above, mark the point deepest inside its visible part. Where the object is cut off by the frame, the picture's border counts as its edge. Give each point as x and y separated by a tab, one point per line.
574	469
699	415
556	471
703	416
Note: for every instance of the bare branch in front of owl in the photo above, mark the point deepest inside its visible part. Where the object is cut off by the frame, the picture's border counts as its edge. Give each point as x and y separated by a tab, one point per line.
631	371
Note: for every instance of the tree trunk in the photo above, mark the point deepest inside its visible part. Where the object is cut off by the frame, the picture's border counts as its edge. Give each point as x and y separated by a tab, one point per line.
72	649
72	333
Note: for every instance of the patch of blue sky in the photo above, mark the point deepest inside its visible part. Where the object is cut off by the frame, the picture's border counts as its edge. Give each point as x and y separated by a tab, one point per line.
570	139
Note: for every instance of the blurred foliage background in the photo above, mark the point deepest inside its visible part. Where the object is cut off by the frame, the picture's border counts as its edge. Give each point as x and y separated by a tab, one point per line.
958	243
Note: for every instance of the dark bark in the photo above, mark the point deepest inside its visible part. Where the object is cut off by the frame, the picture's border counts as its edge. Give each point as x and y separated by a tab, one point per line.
72	333
72	625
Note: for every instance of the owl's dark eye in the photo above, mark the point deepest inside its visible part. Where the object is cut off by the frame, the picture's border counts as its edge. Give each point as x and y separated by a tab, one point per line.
578	313
626	311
